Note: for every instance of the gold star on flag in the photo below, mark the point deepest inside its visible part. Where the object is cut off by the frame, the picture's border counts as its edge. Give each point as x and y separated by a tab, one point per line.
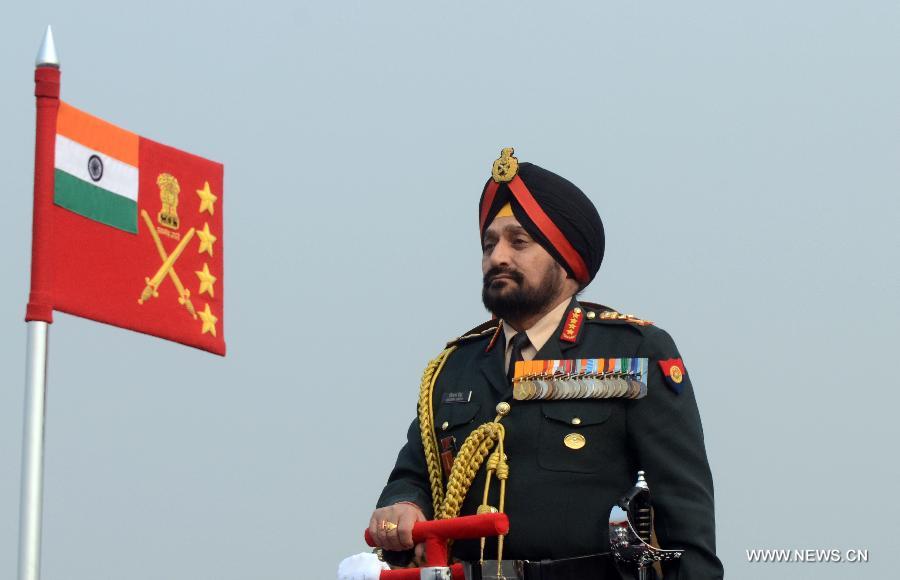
209	321
206	240
206	281
207	199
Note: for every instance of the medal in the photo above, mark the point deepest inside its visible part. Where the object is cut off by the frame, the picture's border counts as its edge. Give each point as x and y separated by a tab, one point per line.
591	378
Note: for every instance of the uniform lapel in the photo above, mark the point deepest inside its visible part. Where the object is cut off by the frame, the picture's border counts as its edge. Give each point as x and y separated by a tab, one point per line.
492	364
554	349
551	349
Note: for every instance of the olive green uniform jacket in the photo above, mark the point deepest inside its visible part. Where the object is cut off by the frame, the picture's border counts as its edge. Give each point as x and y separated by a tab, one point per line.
558	499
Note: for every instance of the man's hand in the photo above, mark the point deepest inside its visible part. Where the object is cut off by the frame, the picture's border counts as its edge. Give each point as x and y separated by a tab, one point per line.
398	538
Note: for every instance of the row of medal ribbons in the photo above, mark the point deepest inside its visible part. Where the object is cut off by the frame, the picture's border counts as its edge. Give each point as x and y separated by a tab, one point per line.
585	378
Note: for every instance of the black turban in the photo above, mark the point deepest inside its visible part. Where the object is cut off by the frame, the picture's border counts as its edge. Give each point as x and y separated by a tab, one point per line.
557	214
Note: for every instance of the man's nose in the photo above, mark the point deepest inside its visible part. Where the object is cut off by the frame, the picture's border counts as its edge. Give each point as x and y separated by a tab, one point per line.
501	255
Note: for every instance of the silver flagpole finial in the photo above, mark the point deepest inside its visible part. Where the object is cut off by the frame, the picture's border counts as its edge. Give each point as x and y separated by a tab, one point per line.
46	55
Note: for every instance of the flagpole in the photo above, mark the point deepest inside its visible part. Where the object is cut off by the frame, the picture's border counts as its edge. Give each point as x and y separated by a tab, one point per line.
30	508
39	313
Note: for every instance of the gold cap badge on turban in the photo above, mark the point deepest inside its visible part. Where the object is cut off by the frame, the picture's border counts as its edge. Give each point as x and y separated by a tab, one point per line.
506	167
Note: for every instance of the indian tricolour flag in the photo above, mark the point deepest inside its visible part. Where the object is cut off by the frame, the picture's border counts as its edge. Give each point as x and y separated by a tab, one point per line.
96	169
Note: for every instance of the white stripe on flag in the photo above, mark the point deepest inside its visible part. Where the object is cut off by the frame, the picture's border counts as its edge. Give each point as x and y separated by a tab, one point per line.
119	178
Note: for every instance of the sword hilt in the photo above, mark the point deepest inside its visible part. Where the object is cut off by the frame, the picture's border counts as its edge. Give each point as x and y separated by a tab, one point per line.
149	291
630	530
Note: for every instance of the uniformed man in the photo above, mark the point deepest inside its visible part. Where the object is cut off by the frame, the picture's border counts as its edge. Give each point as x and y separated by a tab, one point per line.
563	460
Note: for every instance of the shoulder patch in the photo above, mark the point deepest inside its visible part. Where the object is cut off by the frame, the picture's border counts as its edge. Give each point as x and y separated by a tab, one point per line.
489	328
673	371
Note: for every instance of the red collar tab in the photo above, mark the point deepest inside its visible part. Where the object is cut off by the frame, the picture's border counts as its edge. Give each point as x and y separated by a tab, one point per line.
573	325
674	373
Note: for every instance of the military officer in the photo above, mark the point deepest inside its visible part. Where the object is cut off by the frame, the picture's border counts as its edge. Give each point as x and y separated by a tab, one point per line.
564	460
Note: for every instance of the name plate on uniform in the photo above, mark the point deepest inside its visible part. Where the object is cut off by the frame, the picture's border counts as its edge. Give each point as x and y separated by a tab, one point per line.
460	397
585	378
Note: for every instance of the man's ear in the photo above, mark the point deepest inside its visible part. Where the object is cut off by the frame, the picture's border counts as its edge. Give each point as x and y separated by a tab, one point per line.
578	286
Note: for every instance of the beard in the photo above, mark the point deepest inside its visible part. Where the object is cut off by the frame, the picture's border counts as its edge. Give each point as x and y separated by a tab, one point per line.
520	301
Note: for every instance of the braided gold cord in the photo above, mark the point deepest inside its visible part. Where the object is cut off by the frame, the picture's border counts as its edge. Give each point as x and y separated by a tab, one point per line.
503	470
493	461
471	455
426	426
502	476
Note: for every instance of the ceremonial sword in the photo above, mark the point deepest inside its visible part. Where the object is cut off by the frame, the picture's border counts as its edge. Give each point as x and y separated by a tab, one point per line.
154	282
184	295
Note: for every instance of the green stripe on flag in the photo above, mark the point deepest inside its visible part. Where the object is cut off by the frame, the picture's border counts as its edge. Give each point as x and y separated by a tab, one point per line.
95	202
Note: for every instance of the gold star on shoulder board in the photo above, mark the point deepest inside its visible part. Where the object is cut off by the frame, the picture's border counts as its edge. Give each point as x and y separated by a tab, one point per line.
207	199
206	281
206	240
209	321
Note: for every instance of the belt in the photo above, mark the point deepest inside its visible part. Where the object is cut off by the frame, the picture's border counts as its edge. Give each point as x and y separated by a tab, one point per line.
593	567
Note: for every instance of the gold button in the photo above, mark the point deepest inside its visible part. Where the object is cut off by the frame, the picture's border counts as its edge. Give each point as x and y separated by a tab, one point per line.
591	314
576	420
444	425
577	311
574	441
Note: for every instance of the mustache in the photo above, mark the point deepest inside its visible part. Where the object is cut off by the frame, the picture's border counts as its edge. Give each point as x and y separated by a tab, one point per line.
489	276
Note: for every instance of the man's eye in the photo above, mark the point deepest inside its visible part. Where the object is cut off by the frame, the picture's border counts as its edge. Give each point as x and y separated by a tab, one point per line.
488	248
520	242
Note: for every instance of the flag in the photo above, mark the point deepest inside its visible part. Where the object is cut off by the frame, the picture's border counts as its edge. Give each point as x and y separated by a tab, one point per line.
136	234
96	173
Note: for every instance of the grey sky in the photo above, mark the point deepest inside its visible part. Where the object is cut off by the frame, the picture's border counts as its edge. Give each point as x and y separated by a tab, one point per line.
744	158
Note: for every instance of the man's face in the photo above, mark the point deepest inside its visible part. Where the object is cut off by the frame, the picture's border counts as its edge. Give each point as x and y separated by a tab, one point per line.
520	278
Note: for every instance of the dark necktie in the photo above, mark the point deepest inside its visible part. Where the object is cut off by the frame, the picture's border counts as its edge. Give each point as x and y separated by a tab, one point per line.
518	342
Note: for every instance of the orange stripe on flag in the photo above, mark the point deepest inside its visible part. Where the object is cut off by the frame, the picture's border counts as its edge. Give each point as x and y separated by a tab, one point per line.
95	133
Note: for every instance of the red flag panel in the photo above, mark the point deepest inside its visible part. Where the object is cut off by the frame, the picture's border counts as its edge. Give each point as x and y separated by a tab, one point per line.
112	276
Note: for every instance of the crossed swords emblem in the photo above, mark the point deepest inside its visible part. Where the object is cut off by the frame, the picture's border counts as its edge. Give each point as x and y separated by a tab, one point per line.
167	269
